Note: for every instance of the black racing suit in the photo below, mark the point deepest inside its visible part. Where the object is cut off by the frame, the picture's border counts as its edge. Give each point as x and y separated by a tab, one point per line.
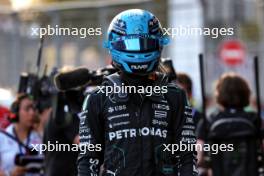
136	132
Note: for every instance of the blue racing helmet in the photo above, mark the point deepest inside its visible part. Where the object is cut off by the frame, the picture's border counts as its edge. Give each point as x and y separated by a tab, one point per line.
135	41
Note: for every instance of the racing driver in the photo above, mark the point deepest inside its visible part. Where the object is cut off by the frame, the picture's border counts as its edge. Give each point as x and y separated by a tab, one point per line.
136	132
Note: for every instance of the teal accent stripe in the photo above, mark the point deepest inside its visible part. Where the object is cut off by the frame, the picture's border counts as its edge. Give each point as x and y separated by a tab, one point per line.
85	102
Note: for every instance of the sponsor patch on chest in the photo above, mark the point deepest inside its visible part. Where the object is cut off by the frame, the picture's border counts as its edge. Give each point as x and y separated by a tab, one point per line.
117	108
157	106
135	132
160	114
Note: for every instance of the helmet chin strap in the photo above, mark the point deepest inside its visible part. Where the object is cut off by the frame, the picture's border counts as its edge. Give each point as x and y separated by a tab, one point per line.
139	80
134	76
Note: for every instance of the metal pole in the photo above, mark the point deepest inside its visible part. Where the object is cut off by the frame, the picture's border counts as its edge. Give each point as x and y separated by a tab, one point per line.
201	63
256	69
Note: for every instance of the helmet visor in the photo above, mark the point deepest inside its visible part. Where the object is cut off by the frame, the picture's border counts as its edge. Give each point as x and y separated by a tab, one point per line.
136	45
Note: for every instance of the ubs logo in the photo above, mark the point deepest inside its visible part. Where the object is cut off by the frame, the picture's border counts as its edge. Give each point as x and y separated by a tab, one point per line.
116	108
111	109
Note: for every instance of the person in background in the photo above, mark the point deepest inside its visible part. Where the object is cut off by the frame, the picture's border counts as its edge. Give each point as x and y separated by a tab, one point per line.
19	136
232	95
185	82
62	127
